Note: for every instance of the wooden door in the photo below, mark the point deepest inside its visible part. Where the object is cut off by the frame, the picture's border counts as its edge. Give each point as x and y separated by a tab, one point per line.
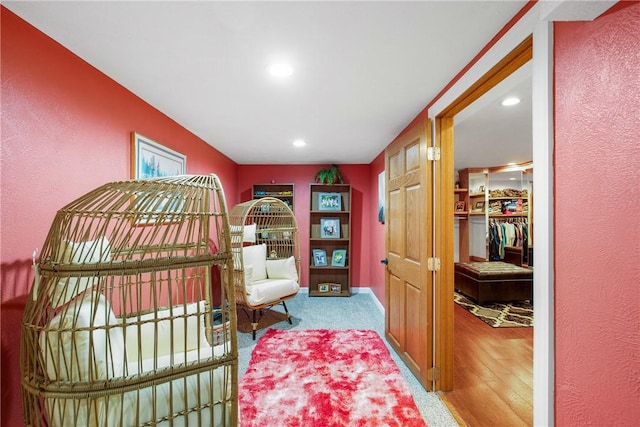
408	235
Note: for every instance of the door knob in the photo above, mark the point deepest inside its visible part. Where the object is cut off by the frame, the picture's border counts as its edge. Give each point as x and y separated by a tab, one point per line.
384	261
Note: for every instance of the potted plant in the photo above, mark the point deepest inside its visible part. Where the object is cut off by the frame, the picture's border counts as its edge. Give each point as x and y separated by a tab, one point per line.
330	176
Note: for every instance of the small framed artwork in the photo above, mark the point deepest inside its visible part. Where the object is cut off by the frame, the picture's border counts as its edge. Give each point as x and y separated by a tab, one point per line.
319	258
323	287
339	257
329	228
460	206
381	196
479	206
329	202
153	160
336	288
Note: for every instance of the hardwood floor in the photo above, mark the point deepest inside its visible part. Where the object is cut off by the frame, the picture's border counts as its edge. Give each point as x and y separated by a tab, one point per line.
493	374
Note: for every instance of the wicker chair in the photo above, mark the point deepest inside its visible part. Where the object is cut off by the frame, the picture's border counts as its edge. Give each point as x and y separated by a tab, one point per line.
266	255
120	327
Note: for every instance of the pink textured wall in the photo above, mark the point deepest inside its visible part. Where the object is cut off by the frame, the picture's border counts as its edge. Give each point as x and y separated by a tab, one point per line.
65	130
363	208
597	263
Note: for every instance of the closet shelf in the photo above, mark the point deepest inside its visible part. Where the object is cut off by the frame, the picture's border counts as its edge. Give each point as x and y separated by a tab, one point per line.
523	214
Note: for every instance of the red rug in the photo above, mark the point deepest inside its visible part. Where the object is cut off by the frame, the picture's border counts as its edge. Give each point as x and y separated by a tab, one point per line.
322	378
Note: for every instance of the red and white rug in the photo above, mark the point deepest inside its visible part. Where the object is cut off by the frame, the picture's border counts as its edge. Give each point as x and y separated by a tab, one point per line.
322	378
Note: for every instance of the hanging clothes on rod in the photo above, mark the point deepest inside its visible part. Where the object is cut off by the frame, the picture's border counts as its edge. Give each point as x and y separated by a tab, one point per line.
505	232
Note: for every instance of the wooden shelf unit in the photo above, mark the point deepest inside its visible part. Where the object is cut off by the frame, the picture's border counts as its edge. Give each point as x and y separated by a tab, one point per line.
329	276
283	192
476	185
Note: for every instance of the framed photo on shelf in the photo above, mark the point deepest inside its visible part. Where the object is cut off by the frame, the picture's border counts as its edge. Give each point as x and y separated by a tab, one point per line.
329	202
460	206
339	257
336	288
323	287
153	160
319	258
329	228
479	206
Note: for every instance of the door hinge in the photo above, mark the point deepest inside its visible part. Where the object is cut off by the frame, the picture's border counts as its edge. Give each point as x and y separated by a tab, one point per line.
433	264
433	374
433	153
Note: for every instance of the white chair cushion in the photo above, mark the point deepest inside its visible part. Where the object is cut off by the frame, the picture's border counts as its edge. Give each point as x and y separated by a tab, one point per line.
266	291
282	269
83	355
156	336
256	256
248	233
90	252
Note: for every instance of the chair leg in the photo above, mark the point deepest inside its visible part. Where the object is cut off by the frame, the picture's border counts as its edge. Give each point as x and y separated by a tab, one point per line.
287	313
254	324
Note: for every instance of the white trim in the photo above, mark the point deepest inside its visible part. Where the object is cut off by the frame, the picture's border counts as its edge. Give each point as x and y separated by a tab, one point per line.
574	10
367	290
542	101
543	279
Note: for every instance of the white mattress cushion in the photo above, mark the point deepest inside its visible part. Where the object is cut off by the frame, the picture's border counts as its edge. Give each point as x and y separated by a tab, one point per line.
269	290
282	269
256	256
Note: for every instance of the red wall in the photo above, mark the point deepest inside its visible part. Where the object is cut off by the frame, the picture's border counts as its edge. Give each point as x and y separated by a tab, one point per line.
378	252
597	258
363	209
65	130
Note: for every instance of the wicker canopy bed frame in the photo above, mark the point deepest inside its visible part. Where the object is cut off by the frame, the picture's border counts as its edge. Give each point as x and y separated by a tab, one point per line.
266	256
121	327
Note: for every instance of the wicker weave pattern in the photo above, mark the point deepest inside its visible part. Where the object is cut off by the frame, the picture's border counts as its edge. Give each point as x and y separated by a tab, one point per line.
276	227
121	327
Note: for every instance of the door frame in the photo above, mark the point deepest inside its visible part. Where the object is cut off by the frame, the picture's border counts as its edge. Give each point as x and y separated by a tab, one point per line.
542	117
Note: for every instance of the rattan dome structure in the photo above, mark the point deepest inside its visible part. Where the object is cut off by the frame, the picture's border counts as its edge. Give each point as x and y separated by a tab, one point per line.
266	255
121	327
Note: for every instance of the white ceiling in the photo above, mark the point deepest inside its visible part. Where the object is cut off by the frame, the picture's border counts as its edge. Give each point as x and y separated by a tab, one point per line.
488	134
363	70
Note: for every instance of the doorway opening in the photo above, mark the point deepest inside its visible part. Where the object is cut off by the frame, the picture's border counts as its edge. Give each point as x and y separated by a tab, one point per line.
447	200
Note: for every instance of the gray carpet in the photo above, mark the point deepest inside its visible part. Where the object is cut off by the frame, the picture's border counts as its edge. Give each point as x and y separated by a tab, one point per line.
360	311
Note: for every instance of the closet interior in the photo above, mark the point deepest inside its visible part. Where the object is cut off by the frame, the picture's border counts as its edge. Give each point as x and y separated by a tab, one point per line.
494	214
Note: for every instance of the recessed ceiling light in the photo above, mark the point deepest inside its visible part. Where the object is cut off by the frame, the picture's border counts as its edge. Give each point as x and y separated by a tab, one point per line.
512	179
510	101
299	143
280	69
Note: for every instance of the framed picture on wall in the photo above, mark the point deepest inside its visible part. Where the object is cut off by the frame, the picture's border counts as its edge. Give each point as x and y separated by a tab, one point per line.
153	160
381	197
